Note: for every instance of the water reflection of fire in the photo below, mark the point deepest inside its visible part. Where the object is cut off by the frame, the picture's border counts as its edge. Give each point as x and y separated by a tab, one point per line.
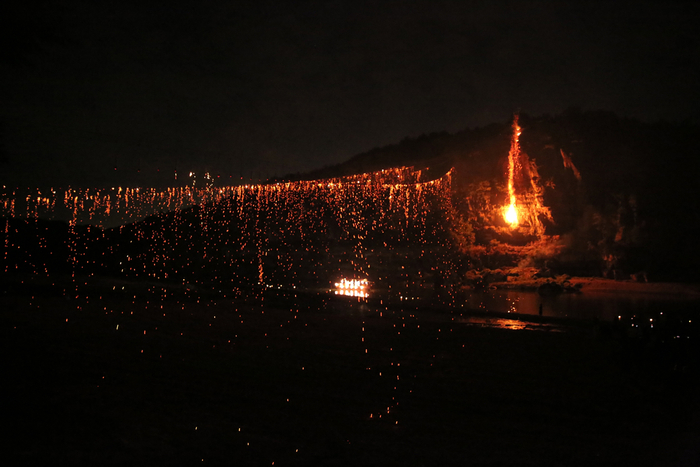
352	288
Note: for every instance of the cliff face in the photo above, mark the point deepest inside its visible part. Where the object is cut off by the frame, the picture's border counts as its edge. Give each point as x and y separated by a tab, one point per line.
595	195
621	192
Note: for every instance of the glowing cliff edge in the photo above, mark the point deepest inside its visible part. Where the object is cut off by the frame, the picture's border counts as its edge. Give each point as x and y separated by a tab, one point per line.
510	212
525	209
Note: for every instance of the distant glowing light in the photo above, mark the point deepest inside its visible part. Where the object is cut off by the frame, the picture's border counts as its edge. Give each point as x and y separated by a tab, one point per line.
352	288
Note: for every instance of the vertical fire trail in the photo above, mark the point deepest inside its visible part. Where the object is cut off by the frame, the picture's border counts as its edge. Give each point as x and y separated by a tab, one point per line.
510	213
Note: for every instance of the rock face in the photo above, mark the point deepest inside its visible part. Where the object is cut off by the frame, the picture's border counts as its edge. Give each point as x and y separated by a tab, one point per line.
526	279
550	288
640	276
485	278
544	272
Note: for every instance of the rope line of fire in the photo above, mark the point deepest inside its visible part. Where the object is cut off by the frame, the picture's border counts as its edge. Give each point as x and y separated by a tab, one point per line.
390	230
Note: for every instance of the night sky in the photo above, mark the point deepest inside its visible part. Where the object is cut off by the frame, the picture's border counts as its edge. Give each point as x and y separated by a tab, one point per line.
272	87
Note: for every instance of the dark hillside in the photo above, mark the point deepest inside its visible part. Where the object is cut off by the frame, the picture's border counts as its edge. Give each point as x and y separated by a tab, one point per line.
621	194
634	203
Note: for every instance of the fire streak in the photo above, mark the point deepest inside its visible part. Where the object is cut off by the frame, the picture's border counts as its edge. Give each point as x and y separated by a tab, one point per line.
525	209
265	234
510	213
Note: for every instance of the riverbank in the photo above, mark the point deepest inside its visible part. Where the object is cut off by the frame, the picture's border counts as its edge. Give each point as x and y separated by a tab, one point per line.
597	284
601	285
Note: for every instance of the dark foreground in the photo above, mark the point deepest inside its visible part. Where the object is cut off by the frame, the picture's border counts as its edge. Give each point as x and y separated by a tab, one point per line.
191	379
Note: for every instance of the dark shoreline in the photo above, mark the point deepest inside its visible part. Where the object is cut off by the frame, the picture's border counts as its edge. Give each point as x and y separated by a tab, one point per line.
84	391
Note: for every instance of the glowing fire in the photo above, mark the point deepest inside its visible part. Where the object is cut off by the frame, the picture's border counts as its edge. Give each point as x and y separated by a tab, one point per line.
510	213
525	209
352	288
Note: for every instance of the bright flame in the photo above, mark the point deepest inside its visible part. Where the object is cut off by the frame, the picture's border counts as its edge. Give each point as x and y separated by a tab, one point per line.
510	214
527	207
